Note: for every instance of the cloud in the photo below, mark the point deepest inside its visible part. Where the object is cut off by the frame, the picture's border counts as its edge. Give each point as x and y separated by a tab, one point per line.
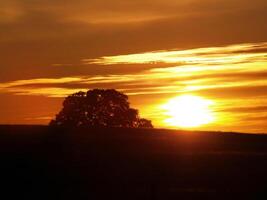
102	11
10	11
205	69
47	32
247	109
243	53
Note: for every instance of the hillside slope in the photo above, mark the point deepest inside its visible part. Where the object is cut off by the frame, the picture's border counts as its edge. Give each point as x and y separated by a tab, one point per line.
38	162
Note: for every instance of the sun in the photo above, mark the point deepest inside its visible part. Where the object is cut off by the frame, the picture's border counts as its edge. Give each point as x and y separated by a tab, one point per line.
188	111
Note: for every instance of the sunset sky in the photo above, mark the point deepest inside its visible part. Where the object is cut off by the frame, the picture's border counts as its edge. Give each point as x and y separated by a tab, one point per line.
155	51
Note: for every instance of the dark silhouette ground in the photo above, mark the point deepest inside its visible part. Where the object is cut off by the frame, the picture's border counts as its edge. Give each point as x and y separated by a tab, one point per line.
38	162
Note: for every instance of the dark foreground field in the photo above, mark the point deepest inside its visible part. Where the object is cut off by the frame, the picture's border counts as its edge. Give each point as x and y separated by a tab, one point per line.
42	163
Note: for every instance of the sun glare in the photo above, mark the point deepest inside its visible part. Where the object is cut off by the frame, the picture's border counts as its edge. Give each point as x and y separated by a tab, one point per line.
188	111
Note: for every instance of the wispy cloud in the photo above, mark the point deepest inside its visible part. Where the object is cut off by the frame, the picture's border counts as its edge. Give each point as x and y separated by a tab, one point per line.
204	56
242	65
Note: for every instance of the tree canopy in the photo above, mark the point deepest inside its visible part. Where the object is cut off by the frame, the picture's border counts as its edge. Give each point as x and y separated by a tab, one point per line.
99	107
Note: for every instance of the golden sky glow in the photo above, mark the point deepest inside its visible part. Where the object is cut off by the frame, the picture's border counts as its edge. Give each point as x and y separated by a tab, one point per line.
233	76
155	51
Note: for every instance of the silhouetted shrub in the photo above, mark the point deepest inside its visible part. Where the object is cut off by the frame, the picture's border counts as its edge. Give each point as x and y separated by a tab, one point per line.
99	107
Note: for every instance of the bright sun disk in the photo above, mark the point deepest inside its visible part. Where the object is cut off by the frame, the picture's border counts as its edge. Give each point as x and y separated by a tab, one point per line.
188	111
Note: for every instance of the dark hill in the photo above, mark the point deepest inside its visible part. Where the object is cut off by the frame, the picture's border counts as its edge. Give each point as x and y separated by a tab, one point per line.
38	162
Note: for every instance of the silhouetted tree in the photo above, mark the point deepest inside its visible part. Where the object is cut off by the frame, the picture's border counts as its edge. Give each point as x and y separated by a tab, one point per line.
99	108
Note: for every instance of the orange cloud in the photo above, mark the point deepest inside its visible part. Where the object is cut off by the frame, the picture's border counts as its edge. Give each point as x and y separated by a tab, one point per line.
203	56
199	69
